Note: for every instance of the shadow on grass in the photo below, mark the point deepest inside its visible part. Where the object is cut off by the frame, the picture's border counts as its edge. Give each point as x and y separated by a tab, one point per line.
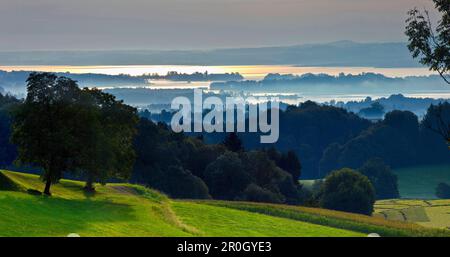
37	215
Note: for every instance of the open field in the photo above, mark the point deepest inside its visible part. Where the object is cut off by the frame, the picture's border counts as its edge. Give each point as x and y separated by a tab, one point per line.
131	210
420	182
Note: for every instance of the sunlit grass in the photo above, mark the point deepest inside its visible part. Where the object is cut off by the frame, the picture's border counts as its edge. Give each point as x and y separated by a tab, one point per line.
132	210
337	219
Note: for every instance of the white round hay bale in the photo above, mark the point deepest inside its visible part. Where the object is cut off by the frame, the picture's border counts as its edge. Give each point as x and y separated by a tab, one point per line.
73	235
373	235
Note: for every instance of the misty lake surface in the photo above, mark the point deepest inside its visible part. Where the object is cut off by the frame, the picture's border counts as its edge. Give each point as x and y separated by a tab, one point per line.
251	72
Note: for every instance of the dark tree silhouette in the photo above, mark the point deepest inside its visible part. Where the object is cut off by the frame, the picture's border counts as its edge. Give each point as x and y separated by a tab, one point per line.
106	147
233	143
60	127
437	119
431	45
44	129
381	177
443	191
348	190
290	163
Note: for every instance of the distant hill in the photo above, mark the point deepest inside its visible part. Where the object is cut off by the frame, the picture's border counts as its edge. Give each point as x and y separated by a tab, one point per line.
341	53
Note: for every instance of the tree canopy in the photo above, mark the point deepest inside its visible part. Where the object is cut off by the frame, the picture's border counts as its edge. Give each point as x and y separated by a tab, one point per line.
431	45
348	190
62	128
44	129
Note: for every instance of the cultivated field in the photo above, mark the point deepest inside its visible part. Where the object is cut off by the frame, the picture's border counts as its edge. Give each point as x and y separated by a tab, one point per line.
429	213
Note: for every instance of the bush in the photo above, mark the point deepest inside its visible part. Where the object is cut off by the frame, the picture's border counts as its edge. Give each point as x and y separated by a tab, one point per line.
348	190
254	193
443	191
177	183
185	185
289	189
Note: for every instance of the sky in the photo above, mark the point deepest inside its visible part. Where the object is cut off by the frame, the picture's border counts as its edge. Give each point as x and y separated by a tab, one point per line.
197	24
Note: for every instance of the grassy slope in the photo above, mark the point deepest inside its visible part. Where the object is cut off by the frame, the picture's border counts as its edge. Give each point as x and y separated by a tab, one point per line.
337	219
114	211
220	221
420	182
130	210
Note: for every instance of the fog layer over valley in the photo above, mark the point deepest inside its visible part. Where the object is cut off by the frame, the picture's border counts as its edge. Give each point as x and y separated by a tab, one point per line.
354	92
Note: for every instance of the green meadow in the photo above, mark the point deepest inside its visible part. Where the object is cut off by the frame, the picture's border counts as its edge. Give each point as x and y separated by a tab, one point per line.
420	182
132	210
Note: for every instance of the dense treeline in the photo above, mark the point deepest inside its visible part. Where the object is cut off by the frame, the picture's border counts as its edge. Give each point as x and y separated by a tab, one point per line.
8	151
186	167
327	138
400	140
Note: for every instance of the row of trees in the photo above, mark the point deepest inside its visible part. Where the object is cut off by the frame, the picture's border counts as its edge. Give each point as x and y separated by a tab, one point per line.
62	128
329	138
186	167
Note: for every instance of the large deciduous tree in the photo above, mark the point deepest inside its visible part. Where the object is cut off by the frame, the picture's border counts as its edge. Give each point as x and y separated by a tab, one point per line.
44	129
61	127
432	46
106	146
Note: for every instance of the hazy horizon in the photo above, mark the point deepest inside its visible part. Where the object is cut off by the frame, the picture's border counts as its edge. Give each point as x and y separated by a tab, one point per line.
198	24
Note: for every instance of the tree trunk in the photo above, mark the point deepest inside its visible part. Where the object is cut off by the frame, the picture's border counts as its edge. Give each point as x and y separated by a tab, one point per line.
89	184
48	183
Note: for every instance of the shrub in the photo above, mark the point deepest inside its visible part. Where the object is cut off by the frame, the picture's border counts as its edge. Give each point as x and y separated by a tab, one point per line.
177	183
443	191
254	193
348	190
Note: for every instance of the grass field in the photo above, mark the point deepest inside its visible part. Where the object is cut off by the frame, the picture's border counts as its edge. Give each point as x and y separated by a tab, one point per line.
131	210
420	182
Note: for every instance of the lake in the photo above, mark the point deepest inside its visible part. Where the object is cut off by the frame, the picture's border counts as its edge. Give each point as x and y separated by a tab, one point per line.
252	72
